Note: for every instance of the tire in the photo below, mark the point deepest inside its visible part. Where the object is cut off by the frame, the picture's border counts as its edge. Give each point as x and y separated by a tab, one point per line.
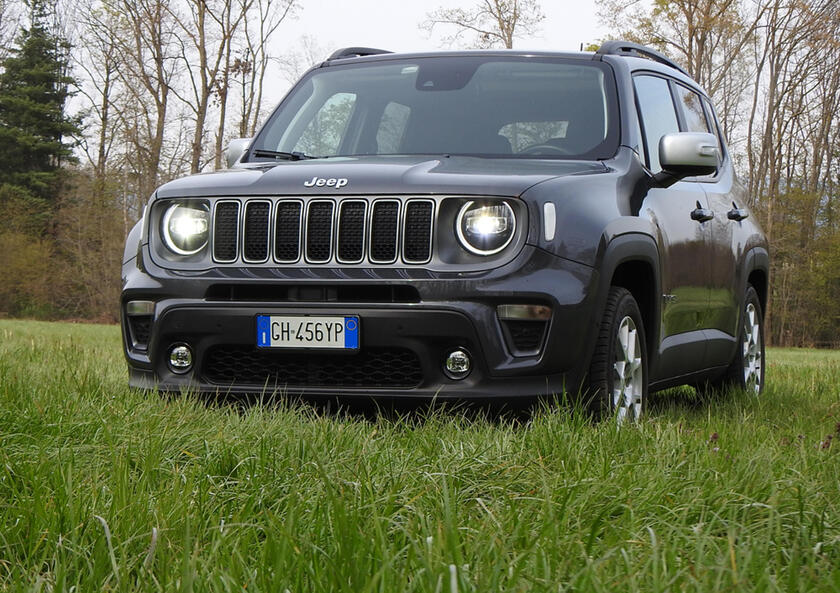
617	382
746	372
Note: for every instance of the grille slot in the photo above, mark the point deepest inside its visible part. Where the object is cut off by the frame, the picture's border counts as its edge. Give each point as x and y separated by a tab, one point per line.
287	231
384	226
373	367
319	221
351	231
225	231
417	241
255	245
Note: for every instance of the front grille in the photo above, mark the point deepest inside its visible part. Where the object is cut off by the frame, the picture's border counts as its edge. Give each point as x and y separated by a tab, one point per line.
374	367
323	231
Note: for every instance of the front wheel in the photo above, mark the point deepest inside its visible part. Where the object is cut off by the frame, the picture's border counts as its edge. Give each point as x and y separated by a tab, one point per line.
618	373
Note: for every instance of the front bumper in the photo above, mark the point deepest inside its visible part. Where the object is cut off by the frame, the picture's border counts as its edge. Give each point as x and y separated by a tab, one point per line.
403	341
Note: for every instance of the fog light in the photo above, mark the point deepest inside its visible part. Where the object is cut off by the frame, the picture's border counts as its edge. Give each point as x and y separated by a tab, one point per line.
458	364
180	358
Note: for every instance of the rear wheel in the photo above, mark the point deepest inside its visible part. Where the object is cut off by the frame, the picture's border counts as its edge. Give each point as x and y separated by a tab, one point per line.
746	371
618	374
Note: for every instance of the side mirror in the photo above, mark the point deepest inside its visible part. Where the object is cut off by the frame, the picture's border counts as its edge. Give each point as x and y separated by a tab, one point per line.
235	150
686	154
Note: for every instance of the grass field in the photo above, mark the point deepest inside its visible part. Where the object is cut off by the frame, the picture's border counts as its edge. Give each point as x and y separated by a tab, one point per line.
103	488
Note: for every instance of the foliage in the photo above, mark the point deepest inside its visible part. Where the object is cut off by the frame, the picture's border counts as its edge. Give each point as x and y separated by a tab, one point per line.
493	23
33	125
104	488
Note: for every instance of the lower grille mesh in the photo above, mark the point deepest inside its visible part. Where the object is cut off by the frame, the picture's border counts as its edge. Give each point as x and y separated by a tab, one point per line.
140	328
525	336
374	367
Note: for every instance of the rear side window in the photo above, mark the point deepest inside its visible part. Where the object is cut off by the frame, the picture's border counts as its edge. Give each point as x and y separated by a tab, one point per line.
657	114
710	114
692	107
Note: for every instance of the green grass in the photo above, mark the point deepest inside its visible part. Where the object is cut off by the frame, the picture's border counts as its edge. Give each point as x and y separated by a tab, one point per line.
104	488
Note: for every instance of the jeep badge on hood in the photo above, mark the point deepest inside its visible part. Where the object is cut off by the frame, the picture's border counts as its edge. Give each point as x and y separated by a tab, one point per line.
331	182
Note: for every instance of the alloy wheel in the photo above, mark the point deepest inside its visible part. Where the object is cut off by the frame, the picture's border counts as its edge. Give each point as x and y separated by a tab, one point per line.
751	350
628	373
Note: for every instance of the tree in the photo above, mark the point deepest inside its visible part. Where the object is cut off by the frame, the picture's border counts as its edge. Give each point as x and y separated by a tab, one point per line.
494	22
34	87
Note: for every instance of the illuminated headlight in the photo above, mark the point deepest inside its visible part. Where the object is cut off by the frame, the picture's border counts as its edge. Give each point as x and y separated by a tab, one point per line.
485	229
186	227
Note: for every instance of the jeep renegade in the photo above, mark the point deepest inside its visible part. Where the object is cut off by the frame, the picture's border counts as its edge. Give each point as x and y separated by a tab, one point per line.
459	224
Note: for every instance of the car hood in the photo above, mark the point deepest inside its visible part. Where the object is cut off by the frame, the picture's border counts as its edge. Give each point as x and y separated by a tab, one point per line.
380	176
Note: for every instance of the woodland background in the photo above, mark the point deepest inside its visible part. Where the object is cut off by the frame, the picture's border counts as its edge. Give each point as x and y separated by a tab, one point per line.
102	102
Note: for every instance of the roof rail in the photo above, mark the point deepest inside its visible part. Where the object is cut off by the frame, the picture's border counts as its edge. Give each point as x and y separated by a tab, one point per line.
356	52
628	48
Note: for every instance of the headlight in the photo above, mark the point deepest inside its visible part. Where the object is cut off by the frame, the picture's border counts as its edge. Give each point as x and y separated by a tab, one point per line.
186	227
485	229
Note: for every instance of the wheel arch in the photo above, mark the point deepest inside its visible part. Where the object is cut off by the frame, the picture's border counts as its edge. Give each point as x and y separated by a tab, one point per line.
756	273
632	262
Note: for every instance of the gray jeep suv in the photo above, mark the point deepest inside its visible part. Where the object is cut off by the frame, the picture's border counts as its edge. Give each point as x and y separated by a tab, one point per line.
459	224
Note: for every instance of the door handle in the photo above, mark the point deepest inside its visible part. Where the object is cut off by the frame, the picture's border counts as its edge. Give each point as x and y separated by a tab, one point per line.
736	213
701	214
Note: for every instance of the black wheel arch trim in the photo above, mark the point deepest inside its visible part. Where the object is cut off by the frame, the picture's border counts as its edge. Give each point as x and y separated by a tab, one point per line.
633	248
756	259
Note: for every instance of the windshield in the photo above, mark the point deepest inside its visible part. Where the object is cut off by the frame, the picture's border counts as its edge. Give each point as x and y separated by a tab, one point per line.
472	105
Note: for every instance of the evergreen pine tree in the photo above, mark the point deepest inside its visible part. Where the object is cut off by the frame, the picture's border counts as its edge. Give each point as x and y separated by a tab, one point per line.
34	86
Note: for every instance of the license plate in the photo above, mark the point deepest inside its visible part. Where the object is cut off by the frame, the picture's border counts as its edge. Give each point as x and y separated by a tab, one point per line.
298	331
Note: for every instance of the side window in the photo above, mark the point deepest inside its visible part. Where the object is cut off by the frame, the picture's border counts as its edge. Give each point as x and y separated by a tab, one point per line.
323	134
656	110
710	115
692	107
391	128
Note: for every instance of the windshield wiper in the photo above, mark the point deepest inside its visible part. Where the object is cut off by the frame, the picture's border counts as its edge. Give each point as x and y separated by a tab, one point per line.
285	156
